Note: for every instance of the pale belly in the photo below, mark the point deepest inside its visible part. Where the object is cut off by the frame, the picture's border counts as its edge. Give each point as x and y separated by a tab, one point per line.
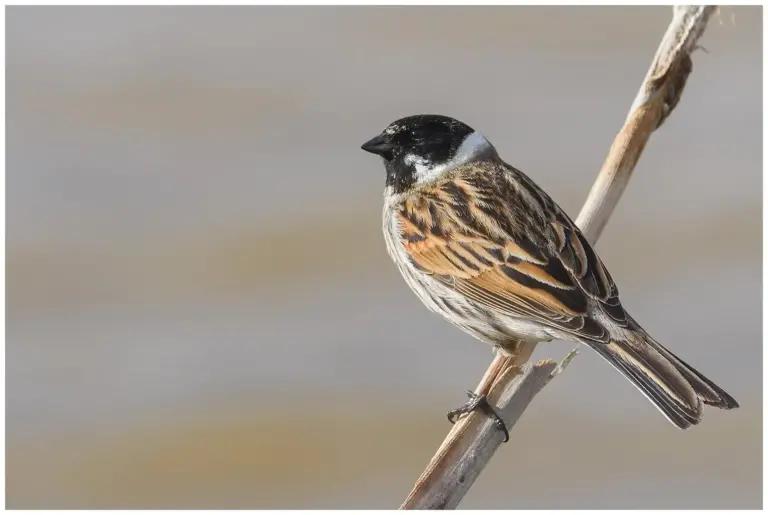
490	327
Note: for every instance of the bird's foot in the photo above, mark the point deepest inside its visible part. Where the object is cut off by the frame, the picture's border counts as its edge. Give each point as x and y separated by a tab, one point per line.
479	402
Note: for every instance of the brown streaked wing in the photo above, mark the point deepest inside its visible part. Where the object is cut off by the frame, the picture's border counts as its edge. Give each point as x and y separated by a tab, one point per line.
577	255
496	274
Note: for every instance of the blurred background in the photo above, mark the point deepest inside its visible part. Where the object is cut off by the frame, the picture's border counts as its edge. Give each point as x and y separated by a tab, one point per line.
200	309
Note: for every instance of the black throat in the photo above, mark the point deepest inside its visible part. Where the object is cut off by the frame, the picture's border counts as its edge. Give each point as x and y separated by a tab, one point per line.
400	176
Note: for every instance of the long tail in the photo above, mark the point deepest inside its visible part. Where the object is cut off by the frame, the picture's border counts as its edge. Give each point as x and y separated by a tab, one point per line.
675	387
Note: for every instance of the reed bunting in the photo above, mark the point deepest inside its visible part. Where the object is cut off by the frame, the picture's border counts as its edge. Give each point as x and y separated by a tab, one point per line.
485	247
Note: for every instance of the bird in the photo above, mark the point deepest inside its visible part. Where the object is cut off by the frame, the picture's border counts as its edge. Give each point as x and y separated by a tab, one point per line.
482	245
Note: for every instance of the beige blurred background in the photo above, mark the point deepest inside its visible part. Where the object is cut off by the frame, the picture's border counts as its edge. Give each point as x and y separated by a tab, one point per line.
201	311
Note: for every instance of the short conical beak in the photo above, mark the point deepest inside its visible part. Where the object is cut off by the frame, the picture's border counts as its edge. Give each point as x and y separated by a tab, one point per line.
378	145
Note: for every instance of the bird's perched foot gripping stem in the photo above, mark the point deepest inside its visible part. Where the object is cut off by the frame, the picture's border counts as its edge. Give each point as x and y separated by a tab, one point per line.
479	402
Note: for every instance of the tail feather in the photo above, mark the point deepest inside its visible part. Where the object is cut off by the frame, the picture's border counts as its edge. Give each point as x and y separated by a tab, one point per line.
676	388
707	391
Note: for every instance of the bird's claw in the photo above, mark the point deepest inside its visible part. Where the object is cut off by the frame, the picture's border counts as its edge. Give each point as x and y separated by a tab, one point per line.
479	402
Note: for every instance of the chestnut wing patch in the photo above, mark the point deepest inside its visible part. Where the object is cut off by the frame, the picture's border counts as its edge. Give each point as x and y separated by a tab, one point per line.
497	275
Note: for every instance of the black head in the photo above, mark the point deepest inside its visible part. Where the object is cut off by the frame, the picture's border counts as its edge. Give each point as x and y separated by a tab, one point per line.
419	148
